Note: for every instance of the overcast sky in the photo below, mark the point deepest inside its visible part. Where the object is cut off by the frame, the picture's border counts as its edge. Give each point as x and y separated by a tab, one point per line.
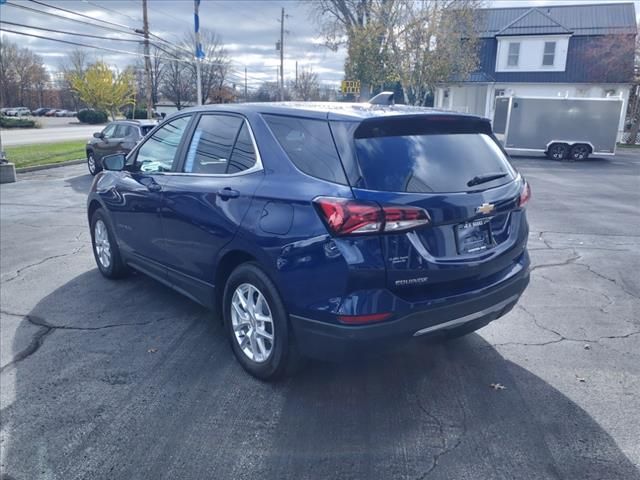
249	29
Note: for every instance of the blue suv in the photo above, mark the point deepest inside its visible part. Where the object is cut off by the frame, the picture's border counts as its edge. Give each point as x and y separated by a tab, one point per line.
319	229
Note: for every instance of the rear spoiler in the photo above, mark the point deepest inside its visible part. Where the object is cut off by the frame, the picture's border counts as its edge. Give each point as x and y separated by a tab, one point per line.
421	124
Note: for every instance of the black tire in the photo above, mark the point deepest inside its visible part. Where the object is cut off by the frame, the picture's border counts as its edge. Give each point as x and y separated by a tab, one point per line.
92	163
558	151
580	151
283	358
115	268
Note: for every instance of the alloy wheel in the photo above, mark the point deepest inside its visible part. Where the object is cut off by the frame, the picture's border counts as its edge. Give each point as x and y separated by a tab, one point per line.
252	323
101	244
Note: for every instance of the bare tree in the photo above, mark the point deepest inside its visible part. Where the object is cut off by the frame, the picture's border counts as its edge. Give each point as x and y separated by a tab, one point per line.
307	87
178	84
8	82
75	64
213	68
23	77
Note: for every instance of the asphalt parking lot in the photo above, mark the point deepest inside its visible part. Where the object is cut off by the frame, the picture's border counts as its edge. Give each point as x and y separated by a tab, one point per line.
129	380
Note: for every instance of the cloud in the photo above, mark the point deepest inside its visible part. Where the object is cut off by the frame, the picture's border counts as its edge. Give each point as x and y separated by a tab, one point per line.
249	30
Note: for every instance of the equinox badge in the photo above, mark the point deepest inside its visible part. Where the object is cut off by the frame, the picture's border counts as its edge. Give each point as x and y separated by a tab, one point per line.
485	208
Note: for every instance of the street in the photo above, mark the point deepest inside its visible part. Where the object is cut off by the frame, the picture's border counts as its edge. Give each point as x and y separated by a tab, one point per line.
52	129
129	380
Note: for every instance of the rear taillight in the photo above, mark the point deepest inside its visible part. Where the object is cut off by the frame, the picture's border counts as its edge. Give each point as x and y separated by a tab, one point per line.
351	217
525	196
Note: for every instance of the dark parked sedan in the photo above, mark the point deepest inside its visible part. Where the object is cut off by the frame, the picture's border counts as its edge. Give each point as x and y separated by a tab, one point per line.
320	229
117	137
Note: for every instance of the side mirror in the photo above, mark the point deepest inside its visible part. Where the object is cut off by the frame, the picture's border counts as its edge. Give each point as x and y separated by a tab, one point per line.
114	163
98	135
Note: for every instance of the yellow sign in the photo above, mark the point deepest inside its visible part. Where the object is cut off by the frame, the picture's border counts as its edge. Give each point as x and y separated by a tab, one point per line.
351	86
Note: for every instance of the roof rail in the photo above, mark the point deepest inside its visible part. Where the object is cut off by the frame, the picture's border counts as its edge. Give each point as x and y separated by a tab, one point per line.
383	98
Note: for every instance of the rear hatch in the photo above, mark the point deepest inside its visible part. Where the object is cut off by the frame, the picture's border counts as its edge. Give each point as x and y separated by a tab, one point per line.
452	167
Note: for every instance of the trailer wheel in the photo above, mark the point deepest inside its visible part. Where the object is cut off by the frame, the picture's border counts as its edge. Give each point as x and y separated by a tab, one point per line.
558	151
579	151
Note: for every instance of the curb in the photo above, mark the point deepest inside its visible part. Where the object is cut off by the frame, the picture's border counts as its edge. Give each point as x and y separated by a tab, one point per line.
50	165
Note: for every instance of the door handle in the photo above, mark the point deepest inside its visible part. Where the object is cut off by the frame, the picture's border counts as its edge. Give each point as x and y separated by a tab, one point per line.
227	193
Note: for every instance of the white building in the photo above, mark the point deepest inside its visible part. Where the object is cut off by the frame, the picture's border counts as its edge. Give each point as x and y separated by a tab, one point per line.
570	50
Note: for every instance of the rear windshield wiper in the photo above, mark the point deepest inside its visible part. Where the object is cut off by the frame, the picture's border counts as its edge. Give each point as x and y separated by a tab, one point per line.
485	178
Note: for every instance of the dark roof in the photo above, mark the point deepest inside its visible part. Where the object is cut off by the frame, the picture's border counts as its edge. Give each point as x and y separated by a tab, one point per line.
533	22
580	67
594	19
333	110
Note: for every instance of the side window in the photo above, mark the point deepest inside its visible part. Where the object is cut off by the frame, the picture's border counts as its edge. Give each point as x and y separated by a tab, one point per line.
243	156
211	145
309	145
121	131
514	54
549	55
159	150
109	130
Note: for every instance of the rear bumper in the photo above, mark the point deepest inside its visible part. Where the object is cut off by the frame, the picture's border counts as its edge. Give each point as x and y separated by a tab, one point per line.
329	341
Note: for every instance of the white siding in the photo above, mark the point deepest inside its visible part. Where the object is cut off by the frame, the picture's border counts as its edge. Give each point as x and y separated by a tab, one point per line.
468	98
531	53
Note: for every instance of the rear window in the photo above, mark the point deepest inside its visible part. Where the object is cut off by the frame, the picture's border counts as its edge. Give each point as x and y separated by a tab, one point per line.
309	145
431	163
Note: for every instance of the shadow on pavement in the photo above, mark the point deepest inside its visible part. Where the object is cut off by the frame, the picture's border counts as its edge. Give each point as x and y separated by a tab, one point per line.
129	380
81	183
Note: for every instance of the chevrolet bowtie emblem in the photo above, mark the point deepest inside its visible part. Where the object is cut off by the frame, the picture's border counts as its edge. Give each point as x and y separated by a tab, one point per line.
485	208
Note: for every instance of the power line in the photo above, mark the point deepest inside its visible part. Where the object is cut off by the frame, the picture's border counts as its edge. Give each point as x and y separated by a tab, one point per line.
80	14
71	33
137	20
23	7
114	50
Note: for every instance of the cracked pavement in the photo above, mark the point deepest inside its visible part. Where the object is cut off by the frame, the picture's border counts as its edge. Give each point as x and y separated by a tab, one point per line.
129	380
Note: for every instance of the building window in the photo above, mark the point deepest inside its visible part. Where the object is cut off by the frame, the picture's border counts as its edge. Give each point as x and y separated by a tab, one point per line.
514	54
549	56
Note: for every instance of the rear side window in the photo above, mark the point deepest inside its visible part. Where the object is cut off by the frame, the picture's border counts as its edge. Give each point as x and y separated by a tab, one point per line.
211	144
243	156
309	145
432	163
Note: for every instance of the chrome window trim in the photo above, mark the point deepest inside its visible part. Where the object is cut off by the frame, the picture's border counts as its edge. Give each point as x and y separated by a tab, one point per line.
257	167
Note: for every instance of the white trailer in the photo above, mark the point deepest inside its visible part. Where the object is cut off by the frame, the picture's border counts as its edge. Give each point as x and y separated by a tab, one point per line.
559	127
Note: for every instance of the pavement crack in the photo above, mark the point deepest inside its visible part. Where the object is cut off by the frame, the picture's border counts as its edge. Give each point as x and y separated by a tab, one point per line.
445	446
45	328
609	279
560	337
576	256
19	272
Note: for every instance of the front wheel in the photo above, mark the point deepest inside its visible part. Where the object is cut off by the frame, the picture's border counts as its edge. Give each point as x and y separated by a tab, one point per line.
257	323
105	248
92	163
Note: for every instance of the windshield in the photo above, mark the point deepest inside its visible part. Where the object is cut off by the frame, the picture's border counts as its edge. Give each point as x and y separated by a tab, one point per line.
431	163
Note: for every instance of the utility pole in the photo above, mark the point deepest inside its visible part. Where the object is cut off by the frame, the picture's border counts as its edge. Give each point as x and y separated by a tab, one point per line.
199	52
282	55
245	84
147	59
